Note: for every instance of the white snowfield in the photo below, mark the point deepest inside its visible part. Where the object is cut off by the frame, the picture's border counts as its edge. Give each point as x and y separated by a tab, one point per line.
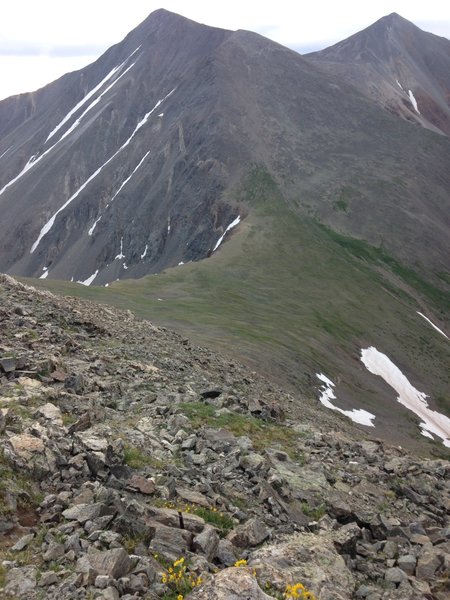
236	221
144	254
358	415
87	97
5	152
90	279
432	324
33	160
413	101
122	185
432	422
91	106
121	255
46	228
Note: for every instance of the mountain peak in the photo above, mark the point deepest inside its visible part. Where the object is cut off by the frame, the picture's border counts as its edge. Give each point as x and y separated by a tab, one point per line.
401	67
393	21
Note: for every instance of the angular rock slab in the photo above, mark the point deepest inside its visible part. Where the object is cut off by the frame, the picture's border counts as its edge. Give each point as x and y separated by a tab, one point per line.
251	533
20	581
230	584
115	563
309	559
170	542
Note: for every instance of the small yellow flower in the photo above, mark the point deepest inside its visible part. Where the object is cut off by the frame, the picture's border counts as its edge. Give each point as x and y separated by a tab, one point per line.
180	597
179	562
240	563
164	578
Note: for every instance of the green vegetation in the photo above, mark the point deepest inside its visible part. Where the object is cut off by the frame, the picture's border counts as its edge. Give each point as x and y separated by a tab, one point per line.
314	513
291	297
130	541
223	522
179	581
19	484
262	433
378	256
136	458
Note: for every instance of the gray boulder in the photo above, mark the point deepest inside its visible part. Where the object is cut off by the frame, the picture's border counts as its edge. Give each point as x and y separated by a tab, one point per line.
230	584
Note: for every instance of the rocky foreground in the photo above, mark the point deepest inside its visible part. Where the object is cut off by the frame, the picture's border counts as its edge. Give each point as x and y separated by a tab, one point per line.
136	466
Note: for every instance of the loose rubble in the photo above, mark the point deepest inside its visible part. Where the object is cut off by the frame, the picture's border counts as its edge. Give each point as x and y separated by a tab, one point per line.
124	449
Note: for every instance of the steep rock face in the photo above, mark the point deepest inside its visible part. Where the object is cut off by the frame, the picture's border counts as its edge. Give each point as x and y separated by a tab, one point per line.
134	164
398	65
118	145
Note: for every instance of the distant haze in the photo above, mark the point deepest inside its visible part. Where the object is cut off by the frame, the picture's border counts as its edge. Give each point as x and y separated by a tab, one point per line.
40	41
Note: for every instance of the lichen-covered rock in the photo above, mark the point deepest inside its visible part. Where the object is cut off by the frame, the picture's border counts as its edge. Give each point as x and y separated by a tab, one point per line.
169	541
206	542
230	584
249	534
20	581
114	563
306	558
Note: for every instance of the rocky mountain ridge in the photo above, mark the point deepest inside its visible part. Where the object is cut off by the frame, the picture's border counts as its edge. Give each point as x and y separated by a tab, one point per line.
137	162
125	449
401	67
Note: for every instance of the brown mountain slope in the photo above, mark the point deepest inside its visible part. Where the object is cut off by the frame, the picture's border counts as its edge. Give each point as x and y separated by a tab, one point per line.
404	69
132	164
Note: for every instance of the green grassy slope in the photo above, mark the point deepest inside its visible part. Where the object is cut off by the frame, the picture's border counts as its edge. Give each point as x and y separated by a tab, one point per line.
292	298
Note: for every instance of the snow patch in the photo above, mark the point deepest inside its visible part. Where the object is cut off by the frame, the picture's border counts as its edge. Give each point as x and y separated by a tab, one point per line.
432	421
90	279
91	106
180	263
134	51
92	93
88	96
121	255
160	115
168	225
432	324
91	229
358	415
399	85
122	185
144	254
46	228
5	152
31	162
236	221
45	273
125	266
413	101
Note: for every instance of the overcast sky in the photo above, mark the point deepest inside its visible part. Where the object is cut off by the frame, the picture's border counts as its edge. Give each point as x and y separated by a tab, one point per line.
41	40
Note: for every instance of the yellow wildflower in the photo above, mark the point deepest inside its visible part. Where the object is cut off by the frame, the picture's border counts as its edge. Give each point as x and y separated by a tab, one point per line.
240	563
180	597
179	562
